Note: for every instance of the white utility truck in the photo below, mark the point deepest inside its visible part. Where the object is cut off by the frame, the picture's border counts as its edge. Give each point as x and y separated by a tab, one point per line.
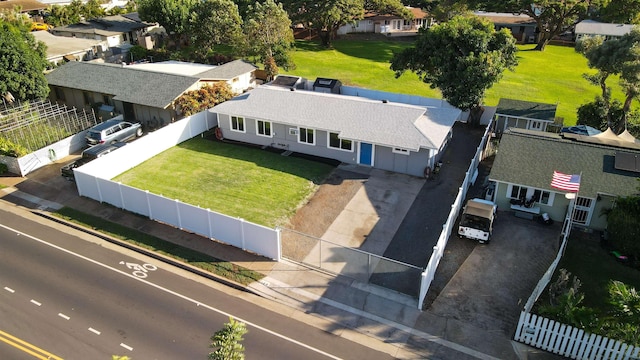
476	221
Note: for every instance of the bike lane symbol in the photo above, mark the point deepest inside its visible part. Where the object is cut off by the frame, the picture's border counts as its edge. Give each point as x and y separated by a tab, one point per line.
139	270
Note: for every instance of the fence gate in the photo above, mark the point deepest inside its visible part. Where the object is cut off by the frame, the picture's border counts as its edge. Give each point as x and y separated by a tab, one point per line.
356	264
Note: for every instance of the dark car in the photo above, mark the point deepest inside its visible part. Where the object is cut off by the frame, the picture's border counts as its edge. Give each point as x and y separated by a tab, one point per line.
113	130
89	154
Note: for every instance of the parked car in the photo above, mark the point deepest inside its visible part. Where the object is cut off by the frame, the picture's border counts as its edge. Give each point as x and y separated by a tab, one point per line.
37	26
477	219
89	154
113	130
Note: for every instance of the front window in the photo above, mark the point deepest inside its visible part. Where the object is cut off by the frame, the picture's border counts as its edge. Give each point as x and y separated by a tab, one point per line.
263	128
400	151
87	98
237	123
540	196
336	143
518	192
306	136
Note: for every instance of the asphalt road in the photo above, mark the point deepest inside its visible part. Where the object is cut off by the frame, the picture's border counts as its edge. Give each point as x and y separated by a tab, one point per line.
77	299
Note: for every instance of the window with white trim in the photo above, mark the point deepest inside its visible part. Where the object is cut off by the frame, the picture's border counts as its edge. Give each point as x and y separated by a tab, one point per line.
263	128
237	123
342	144
400	151
307	136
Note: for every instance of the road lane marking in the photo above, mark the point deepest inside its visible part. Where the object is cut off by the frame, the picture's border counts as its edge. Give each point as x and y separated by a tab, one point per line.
94	331
64	316
9	289
126	346
27	347
35	303
184	297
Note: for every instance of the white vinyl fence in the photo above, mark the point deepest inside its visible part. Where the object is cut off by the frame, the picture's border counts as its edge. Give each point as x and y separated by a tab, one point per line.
429	273
570	342
93	181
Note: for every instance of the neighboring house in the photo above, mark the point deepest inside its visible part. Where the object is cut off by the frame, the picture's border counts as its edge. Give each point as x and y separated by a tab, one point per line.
524	166
140	95
524	114
138	92
354	130
389	24
26	6
522	27
116	30
588	28
239	74
61	49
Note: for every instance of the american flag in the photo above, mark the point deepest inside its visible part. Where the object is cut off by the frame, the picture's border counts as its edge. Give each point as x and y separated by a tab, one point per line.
565	182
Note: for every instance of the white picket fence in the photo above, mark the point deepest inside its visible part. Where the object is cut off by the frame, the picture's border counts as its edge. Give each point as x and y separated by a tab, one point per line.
569	341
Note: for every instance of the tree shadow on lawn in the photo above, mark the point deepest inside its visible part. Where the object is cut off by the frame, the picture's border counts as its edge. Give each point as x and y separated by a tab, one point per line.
310	167
375	50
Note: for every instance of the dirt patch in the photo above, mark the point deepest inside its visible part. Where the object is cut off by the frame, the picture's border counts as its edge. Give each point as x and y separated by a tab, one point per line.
313	219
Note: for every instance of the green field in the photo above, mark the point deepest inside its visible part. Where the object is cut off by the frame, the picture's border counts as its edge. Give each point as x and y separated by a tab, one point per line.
552	76
256	185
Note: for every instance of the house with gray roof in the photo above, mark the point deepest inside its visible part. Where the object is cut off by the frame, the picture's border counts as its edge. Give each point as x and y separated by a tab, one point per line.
61	49
512	113
587	28
114	30
140	95
524	166
390	136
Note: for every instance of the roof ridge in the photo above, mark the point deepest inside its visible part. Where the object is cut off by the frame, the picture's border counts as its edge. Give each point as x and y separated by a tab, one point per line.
560	139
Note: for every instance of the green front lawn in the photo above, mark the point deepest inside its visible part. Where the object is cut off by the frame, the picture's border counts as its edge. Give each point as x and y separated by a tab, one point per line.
257	185
552	76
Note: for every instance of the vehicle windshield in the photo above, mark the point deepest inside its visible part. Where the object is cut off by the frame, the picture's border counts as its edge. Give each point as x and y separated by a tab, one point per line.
475	222
95	135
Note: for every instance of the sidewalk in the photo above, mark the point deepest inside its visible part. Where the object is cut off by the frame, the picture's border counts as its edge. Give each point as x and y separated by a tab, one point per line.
376	317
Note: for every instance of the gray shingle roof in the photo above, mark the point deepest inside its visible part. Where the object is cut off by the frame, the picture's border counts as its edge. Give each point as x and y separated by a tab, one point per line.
228	70
106	26
527	109
126	84
355	118
529	158
591	27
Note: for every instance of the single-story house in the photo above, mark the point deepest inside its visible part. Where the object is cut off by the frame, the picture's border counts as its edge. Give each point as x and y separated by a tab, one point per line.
115	30
60	48
136	92
26	6
530	115
378	133
524	167
389	24
587	28
522	26
239	74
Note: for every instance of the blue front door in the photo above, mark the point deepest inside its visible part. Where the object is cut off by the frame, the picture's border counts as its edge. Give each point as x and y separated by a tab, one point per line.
366	154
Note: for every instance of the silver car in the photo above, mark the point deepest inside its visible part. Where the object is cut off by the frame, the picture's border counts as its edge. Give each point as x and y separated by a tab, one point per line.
112	131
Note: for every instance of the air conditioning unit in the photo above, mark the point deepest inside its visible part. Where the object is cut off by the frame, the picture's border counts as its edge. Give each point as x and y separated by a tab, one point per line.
293	131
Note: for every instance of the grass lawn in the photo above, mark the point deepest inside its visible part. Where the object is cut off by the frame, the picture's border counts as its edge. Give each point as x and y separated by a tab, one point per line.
552	76
594	267
256	185
205	262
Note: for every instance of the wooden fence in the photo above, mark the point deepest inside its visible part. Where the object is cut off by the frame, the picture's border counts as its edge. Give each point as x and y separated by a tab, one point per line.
569	341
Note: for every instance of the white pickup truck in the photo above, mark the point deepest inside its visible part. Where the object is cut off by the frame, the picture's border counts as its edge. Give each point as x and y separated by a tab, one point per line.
476	221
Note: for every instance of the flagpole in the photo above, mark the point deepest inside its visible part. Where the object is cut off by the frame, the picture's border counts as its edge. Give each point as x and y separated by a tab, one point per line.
571	214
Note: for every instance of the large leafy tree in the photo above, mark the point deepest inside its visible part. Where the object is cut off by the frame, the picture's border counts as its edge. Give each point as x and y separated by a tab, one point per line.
173	15
614	57
214	22
552	17
22	63
620	11
268	34
462	57
328	15
228	341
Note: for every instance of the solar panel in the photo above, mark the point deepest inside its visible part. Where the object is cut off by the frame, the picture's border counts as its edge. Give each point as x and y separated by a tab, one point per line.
627	161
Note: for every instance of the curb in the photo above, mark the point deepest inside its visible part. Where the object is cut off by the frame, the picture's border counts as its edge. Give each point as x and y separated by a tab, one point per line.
152	254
